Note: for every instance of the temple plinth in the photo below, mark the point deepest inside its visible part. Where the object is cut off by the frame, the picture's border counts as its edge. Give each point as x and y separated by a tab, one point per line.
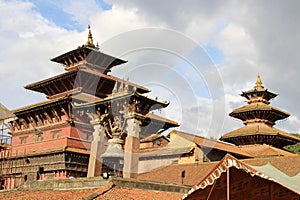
259	118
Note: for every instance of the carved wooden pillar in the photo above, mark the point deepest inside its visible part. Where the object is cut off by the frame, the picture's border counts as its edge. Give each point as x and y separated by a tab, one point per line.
131	148
97	149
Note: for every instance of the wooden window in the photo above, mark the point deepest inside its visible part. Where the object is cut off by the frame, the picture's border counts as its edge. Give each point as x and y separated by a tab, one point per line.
23	139
55	134
38	135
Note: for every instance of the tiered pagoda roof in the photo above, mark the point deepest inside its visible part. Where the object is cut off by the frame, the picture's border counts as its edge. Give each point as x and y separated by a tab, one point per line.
90	55
259	118
86	81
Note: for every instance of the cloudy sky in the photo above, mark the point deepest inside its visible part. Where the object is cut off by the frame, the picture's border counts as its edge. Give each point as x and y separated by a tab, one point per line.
199	55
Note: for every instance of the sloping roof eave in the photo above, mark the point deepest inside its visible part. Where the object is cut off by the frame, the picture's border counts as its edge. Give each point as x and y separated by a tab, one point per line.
261	171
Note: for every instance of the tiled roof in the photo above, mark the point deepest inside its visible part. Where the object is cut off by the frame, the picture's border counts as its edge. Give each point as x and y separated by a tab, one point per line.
66	75
163	119
172	173
40	105
167	151
37	152
78	194
49	150
47	194
108	192
126	94
85	97
289	165
77	150
152	137
262	129
129	194
5	113
267	171
264	150
258	106
268	95
90	54
109	77
204	142
178	145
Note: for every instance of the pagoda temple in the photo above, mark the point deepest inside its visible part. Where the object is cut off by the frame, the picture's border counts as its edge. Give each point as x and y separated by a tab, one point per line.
259	118
94	124
91	121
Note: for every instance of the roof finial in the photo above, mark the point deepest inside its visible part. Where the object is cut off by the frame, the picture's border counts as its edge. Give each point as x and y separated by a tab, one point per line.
90	42
258	84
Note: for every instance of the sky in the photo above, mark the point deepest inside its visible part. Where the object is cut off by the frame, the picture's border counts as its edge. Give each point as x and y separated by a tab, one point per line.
199	55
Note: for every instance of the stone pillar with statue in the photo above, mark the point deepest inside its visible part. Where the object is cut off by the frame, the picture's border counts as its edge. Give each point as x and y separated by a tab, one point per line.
97	147
131	148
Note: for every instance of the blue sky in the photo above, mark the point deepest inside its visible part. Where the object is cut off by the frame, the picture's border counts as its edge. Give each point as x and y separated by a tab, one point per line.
242	38
53	11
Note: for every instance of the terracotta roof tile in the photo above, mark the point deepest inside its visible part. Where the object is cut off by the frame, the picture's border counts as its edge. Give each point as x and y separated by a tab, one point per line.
40	104
5	113
107	192
264	150
94	72
258	106
152	137
163	119
204	142
289	165
126	194
172	173
48	194
262	129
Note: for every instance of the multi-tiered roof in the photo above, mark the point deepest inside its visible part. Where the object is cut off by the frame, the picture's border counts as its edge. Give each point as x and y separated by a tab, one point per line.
86	80
55	135
259	118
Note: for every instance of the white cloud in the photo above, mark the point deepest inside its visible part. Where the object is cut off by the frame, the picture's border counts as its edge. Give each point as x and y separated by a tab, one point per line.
28	42
110	23
78	9
256	37
236	43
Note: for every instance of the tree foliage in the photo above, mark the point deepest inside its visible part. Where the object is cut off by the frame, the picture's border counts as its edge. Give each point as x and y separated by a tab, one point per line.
294	148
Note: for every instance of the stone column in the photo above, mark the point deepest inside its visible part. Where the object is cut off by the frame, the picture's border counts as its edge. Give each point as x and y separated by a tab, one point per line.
97	149
131	148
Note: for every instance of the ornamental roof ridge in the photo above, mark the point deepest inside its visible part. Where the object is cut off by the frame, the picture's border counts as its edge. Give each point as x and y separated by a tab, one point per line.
90	42
258	83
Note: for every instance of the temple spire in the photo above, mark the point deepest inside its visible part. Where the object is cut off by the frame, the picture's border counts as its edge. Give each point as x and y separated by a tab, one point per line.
258	84
90	42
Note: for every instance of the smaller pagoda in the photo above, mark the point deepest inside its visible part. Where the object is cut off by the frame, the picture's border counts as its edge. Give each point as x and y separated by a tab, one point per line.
259	118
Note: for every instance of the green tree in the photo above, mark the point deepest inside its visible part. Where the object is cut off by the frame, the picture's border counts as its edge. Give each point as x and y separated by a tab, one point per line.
294	148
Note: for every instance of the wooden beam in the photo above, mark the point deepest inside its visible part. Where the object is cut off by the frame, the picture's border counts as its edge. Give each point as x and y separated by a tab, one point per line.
63	84
58	89
52	92
33	121
71	62
25	124
39	120
48	117
70	110
55	114
66	62
70	83
65	112
16	124
75	58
